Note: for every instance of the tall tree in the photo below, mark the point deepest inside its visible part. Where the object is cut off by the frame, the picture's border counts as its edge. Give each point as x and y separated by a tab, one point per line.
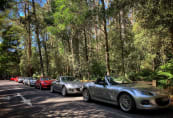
27	24
37	36
106	37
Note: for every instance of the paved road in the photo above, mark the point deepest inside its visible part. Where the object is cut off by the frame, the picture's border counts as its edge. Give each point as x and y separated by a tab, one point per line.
52	105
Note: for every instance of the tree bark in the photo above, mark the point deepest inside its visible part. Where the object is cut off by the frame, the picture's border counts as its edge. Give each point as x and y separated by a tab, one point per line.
45	38
106	38
29	41
75	52
121	25
37	36
86	46
86	53
171	31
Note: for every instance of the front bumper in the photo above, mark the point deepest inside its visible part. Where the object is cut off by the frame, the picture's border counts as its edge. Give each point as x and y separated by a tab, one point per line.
45	85
74	90
32	84
20	81
154	102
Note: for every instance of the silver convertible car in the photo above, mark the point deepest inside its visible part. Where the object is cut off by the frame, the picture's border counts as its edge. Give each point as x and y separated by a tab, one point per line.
127	94
66	85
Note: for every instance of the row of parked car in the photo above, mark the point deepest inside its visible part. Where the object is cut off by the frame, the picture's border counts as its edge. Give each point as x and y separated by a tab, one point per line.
30	81
63	84
126	93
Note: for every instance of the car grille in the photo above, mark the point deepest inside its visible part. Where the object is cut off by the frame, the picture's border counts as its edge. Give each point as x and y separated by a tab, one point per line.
162	101
78	89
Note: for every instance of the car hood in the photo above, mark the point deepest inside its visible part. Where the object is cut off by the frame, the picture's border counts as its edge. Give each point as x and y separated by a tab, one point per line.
74	84
33	80
146	87
48	81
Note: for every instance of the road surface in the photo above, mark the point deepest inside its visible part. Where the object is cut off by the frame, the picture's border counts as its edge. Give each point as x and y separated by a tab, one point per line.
20	101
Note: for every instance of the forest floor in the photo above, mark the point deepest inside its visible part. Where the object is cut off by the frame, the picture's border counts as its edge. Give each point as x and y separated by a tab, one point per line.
44	104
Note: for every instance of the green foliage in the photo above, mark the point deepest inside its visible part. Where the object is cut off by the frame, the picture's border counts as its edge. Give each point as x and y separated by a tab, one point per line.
163	74
97	69
74	37
166	74
168	67
9	52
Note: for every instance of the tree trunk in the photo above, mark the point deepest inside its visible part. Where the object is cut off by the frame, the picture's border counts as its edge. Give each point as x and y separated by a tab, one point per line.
75	52
37	36
121	25
86	46
39	49
69	52
106	38
171	31
86	52
29	41
45	38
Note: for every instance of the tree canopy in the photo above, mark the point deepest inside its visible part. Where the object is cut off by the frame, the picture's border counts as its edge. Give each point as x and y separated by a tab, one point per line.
87	38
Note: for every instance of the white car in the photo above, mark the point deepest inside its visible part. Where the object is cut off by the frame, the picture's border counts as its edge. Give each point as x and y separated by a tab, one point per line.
31	81
25	81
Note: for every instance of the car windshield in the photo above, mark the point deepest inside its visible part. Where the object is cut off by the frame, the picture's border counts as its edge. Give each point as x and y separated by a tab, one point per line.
45	79
67	79
32	79
114	81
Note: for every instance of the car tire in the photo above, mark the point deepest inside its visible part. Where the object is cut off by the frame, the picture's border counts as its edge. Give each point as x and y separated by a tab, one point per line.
40	87
86	95
64	91
52	89
126	102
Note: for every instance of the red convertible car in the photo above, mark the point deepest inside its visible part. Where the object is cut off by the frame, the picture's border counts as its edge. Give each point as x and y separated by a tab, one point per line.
43	82
12	78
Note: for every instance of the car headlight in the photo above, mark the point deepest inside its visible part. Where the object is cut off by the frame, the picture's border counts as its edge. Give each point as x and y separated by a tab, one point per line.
69	86
146	93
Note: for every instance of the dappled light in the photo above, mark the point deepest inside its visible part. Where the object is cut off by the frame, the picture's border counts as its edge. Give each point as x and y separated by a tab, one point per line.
86	58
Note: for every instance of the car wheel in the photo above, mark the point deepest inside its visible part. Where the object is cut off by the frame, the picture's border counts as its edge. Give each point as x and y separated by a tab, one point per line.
126	103
41	87
86	95
51	89
64	91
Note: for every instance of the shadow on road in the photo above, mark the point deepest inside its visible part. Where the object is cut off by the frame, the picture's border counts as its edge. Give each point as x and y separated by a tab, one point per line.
50	105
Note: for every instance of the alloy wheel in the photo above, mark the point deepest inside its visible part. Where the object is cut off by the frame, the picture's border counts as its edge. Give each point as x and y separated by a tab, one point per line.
64	92
51	89
126	102
86	96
